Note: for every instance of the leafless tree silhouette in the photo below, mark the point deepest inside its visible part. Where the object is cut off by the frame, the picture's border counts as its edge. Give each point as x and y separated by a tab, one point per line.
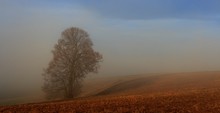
73	59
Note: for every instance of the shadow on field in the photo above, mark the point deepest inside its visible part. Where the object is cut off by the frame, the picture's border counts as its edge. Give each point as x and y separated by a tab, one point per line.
127	85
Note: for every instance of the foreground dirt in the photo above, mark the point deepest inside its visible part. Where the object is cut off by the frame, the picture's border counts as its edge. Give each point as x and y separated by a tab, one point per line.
191	101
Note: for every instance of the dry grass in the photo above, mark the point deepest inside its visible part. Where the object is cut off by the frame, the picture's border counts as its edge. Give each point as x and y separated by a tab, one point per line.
193	101
174	93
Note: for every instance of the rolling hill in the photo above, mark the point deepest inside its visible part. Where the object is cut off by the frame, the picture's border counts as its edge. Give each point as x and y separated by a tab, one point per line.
151	83
197	92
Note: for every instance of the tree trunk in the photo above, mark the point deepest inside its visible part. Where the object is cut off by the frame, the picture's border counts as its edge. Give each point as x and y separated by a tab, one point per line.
70	87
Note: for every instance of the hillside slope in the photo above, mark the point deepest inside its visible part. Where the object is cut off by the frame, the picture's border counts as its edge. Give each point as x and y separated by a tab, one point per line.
197	92
143	84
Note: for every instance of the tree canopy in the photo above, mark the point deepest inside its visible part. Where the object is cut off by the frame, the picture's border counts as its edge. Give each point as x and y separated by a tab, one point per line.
73	59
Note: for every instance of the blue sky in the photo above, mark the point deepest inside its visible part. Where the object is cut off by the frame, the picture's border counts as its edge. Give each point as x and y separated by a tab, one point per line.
134	36
131	9
155	9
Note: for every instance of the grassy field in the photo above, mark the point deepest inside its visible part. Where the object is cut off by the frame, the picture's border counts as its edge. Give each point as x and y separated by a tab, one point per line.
178	93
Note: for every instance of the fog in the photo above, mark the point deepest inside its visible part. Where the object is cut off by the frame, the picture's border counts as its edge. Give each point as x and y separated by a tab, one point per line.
145	44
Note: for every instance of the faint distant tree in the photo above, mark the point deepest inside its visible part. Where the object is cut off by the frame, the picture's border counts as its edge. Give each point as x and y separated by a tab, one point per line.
73	58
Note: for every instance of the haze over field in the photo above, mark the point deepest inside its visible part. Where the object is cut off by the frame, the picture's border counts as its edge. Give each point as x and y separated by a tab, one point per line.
134	36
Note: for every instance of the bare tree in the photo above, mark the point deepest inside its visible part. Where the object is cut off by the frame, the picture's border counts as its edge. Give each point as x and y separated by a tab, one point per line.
73	58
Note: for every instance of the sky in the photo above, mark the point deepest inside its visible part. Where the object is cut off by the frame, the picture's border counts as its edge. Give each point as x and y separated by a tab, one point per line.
134	36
